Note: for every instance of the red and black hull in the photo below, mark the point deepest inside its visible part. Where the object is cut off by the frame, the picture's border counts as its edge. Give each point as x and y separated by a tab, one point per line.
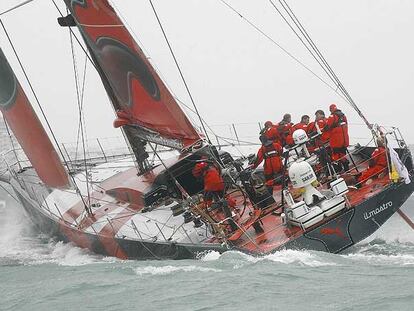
339	233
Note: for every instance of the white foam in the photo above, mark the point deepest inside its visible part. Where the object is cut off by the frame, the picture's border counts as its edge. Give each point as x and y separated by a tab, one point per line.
303	258
210	256
21	244
164	270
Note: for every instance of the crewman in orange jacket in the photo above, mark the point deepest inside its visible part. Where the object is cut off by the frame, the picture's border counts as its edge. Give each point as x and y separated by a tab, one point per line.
213	182
270	131
283	129
321	120
213	187
271	153
337	127
377	165
302	125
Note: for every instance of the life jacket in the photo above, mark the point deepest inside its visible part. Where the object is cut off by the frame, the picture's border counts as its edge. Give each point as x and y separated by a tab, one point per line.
272	158
337	126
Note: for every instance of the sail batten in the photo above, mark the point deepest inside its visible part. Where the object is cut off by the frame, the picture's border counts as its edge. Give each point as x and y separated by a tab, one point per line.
136	90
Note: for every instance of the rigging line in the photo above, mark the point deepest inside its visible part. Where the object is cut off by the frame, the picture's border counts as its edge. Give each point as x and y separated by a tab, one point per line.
39	105
82	102
75	69
302	29
179	69
16	7
303	42
318	57
11	141
316	49
76	37
146	52
210	128
282	48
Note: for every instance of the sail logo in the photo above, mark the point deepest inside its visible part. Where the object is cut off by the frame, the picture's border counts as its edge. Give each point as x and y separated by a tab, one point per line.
383	207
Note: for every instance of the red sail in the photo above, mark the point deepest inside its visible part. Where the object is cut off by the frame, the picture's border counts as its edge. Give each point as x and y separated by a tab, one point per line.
135	88
28	130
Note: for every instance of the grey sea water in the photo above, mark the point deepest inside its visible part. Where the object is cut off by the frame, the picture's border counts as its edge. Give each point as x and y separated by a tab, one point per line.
37	273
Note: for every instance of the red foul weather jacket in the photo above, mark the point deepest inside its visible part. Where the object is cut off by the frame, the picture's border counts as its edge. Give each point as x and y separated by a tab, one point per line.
272	134
377	164
283	131
213	180
337	127
312	130
272	156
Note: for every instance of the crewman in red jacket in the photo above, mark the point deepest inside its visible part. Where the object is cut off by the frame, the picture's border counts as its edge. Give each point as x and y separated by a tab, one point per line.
213	182
337	127
377	165
312	131
271	153
270	131
213	187
302	125
283	129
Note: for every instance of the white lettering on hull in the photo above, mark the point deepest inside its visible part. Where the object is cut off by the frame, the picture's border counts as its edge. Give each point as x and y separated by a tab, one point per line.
378	210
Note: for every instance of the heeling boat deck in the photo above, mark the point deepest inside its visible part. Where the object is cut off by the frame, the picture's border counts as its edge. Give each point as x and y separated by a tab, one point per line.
276	234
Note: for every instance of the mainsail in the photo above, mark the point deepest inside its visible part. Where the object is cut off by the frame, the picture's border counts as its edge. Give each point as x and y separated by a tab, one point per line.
28	130
144	105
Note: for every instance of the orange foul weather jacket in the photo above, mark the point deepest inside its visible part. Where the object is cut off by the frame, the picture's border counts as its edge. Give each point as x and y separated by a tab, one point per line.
272	156
337	127
272	134
377	165
312	131
211	176
283	131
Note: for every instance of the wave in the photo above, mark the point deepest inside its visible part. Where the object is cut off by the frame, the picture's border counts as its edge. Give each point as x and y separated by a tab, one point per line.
164	270
21	244
287	257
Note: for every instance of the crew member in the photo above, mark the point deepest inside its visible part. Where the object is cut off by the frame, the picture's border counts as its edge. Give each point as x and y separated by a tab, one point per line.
337	127
320	122
283	129
213	187
377	164
271	153
270	131
302	125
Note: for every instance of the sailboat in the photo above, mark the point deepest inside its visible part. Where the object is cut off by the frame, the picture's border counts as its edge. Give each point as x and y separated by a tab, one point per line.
128	208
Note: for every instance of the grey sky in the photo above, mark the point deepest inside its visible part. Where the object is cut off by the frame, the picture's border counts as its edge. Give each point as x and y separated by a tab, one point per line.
234	73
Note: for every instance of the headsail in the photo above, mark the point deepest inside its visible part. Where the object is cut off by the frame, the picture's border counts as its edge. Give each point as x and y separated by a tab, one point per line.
145	106
28	130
